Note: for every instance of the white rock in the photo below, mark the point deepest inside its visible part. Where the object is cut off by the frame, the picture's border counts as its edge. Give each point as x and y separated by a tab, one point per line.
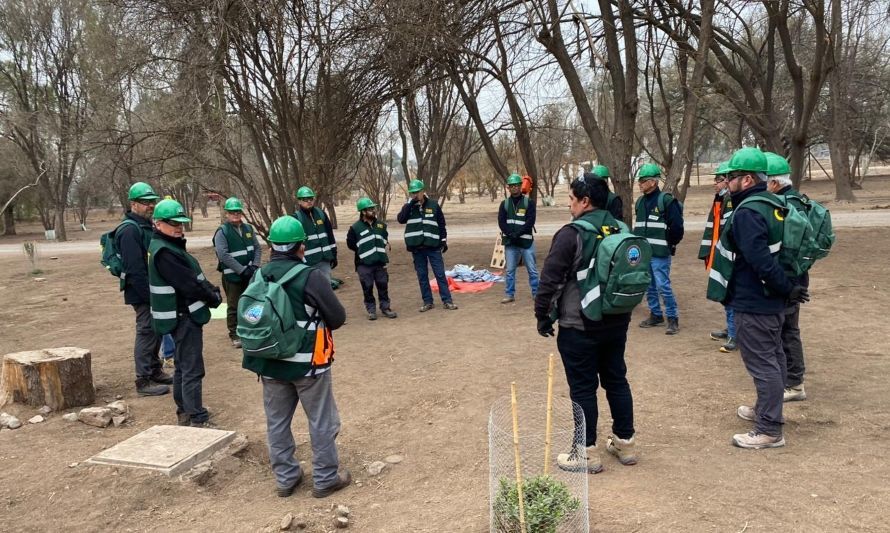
238	445
342	510
39	279
394	459
286	522
118	397
376	467
119	407
341	522
45	410
96	416
9	421
118	420
36	419
69	417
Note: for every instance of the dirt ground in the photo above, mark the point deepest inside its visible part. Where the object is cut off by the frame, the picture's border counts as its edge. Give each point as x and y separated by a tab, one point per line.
422	385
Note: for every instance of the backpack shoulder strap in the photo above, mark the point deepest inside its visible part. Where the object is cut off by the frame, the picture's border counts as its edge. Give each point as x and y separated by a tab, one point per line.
292	273
585	225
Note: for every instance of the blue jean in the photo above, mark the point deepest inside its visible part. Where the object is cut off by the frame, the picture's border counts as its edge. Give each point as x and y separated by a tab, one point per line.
434	258
730	322
513	253
660	270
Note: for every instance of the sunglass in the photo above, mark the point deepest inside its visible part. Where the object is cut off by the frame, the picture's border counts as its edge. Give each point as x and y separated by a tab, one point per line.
719	179
146	202
737	176
514	185
173	223
305	199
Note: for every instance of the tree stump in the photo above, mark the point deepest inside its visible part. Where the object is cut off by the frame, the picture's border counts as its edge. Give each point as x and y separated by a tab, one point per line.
57	377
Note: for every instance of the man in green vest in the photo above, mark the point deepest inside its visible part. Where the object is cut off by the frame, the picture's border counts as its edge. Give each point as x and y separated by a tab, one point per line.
721	209
181	298
516	219
746	275
132	239
614	204
426	239
369	239
321	247
659	218
239	253
307	376
592	352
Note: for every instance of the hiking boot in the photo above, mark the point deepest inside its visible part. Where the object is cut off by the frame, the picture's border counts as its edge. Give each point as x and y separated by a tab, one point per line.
426	307
729	346
372	316
144	387
236	342
451	306
581	460
624	450
673	326
757	441
284	492
719	335
183	419
795	394
508	300
344	478
652	321
389	313
159	376
746	413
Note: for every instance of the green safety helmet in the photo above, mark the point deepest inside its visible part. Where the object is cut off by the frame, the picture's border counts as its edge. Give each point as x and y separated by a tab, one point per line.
648	171
305	192
722	169
600	171
233	204
747	159
142	191
286	230
514	179
415	186
776	165
170	210
364	203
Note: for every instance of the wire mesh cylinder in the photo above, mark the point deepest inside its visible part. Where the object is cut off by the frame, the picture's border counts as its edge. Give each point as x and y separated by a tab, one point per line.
555	501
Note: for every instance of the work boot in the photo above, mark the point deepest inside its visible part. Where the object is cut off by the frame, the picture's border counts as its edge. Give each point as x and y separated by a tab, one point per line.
729	345
652	321
757	441
389	313
451	306
159	376
581	460
795	393
746	412
508	300
284	492
144	387
344	478
673	326
719	335
426	307
183	419
624	450
372	315
236	342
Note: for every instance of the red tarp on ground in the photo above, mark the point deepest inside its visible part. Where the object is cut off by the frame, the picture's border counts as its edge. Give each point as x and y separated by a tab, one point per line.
463	286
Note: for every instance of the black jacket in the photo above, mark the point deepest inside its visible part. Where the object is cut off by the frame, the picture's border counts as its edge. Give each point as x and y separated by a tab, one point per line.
131	242
179	274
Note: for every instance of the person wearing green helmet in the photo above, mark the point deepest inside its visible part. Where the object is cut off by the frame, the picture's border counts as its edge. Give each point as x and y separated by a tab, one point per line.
659	218
369	239
238	254
614	204
321	246
131	238
746	275
516	219
721	210
306	377
427	239
181	298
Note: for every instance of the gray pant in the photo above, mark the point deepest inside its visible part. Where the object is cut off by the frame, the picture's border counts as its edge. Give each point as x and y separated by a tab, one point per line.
148	343
280	400
793	346
760	342
189	358
325	267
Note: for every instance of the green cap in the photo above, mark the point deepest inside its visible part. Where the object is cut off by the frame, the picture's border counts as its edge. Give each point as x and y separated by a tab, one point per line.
415	186
364	203
747	159
305	192
648	171
233	204
142	191
170	210
722	169
776	165
514	179
601	171
286	230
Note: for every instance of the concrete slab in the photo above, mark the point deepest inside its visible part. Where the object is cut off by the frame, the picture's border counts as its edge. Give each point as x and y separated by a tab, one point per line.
168	449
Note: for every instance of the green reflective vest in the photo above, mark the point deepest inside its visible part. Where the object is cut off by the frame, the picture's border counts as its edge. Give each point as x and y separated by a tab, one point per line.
318	246
240	244
652	225
371	242
704	250
305	317
516	221
721	270
163	296
422	229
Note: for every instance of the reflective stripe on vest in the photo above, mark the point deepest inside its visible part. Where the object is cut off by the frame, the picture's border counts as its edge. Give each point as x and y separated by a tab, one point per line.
652	225
163	297
318	246
516	219
422	229
371	245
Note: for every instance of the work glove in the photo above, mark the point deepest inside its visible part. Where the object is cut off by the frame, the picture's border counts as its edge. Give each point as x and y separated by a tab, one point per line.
216	301
247	273
799	295
444	247
333	263
545	327
673	248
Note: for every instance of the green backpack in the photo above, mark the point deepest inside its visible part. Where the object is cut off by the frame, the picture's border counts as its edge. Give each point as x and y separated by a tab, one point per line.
820	219
263	310
620	273
799	248
110	255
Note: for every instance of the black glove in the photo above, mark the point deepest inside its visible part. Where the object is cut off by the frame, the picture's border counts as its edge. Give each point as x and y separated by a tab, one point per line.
444	247
799	294
673	248
247	273
216	301
545	327
333	263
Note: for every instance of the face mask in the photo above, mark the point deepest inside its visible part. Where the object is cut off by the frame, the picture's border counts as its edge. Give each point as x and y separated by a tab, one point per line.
723	191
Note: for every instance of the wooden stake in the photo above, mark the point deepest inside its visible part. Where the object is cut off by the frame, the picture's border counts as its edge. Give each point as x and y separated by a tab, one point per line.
549	420
516	456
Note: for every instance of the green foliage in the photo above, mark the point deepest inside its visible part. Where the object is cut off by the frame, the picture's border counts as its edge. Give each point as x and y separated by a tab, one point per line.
547	503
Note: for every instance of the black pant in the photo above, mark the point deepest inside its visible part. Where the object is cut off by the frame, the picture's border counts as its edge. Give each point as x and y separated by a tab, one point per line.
593	358
234	290
793	346
189	358
374	275
147	345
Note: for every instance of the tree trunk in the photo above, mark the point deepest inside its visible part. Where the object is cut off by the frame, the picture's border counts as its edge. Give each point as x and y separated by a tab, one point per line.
61	234
839	139
9	220
58	377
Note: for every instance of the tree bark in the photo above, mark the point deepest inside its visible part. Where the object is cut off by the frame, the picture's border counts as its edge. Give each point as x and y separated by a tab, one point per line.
838	90
9	220
58	377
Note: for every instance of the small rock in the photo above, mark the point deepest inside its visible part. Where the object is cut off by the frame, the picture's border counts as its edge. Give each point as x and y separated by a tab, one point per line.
200	474
301	523
118	396
36	419
342	510
286	522
69	417
341	522
394	459
96	416
119	407
376	467
238	445
45	410
39	279
54	258
118	420
9	421
72	465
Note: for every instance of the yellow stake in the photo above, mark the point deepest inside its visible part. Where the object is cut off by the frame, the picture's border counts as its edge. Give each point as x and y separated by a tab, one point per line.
516	455
549	419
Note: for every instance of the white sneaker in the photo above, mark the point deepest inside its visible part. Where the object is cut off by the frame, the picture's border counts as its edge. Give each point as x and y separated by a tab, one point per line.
581	460
795	394
757	441
746	413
